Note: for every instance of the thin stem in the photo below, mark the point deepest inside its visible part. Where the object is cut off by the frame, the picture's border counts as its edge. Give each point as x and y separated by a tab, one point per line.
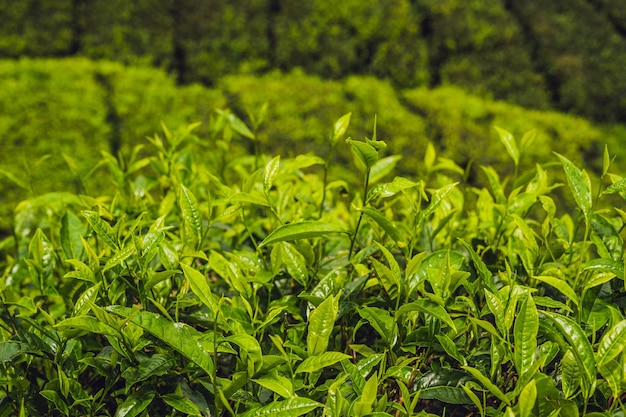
358	223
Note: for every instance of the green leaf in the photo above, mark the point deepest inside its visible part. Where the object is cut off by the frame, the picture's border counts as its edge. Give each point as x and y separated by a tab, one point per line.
389	189
200	287
182	404
56	399
579	184
486	382
427	307
383	167
391	230
616	187
366	153
71	231
302	230
341	126
381	321
119	256
508	141
612	343
363	405
239	126
579	343
483	272
192	218
450	348
134	404
9	350
295	263
606	265
525	332
102	229
317	362
570	374
320	326
276	383
437	199
560	285
527	399
270	173
89	295
180	336
89	324
291	407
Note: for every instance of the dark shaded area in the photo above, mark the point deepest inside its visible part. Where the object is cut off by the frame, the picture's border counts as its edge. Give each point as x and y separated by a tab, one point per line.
568	56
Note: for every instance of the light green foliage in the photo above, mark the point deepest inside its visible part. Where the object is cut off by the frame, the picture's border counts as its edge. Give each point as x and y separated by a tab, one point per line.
222	288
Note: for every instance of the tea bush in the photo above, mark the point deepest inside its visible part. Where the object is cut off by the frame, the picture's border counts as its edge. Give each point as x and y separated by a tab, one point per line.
252	285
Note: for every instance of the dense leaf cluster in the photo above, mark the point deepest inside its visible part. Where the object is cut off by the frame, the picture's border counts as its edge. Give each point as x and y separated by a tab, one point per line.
564	55
243	284
58	115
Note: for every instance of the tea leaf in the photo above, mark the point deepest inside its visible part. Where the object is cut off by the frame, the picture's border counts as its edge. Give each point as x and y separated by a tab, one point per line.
437	199
486	382
276	383
525	335
341	125
270	173
71	231
179	336
577	339
302	230
606	265
508	141
240	127
192	219
560	285
427	307
570	373
527	399
317	362
102	229
579	184
612	343
363	405
134	404
200	287
182	404
366	153
616	187
386	224
389	189
321	323
291	407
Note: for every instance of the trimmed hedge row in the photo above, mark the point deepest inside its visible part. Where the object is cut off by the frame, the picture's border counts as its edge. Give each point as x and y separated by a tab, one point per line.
56	116
538	55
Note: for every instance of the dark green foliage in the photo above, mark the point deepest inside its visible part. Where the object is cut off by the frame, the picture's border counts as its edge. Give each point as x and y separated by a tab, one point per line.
131	32
351	37
36	28
479	46
583	56
213	38
564	55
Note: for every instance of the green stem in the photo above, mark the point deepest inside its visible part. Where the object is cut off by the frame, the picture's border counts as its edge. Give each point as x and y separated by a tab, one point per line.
326	164
358	223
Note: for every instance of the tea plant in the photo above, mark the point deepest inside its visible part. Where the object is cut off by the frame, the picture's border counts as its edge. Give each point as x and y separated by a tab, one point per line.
255	285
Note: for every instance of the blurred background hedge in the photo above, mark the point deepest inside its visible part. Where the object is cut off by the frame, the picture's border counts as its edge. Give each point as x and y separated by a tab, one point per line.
567	55
56	116
78	76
